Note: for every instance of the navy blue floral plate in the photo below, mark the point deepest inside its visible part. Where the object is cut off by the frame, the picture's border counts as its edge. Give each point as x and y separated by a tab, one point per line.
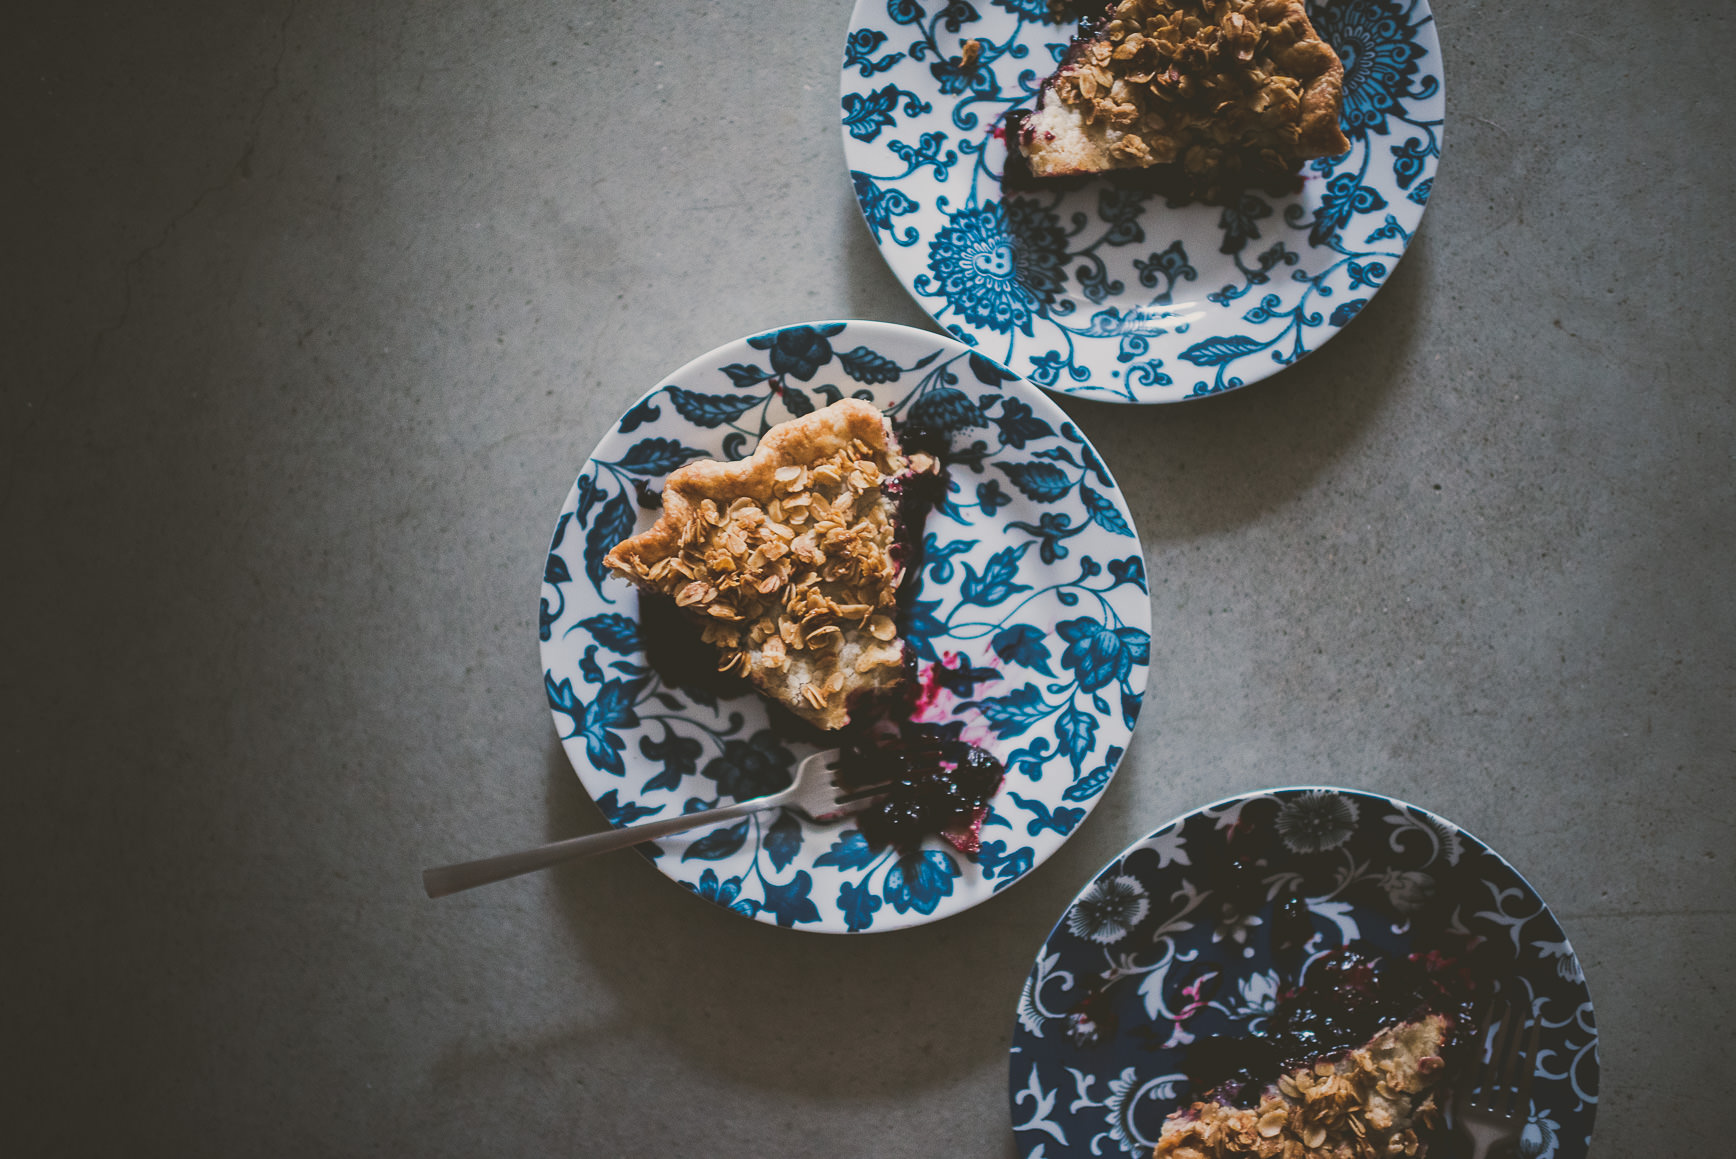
1106	292
1149	958
1032	628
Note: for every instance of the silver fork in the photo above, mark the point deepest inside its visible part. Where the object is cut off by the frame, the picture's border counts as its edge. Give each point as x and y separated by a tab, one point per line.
1487	1105
812	790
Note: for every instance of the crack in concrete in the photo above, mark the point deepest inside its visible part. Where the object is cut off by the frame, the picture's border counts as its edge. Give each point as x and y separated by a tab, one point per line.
130	268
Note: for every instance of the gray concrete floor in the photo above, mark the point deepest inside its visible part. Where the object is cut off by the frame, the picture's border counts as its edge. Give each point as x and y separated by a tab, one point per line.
311	312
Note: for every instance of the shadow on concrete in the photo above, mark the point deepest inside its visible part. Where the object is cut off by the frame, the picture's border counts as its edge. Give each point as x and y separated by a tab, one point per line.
795	1011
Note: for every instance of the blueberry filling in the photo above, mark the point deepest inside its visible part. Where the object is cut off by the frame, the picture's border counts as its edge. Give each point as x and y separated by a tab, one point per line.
1348	996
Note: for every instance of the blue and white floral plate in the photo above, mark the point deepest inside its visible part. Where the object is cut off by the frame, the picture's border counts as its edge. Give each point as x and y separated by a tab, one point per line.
1109	293
1033	624
1147	959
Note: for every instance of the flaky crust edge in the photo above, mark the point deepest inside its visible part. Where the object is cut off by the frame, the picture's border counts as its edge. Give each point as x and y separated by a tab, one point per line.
799	441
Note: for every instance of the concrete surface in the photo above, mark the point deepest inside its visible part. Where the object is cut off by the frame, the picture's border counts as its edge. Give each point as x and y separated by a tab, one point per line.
311	312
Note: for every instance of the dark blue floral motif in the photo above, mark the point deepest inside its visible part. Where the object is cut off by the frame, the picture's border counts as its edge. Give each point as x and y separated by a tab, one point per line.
679	756
937	556
1168	266
921	627
1008	866
726	893
1023	644
657	456
1239	222
1001	264
790	902
864	365
613	631
945	411
961	678
880	206
991	498
1032	10
614	523
597	721
1050	529
999	578
956	77
850	851
956	15
644	411
1345	194
1347	310
858	903
1076	729
1380	54
1043	482
865	116
711	410
1101	655
617	813
859	52
798	350
718	844
1011	715
783	840
1129	571
1104	513
1061	820
555	570
917	881
752	767
1018	425
904	11
1089	786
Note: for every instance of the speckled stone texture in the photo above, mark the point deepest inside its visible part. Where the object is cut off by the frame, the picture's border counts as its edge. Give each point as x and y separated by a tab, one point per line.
311	312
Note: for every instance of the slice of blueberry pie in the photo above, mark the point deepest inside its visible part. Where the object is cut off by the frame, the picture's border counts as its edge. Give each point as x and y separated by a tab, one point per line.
1231	93
1348	1066
790	559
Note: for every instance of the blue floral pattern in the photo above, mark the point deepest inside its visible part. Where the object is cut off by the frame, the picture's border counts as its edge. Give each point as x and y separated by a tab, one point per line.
1148	959
1105	292
1032	626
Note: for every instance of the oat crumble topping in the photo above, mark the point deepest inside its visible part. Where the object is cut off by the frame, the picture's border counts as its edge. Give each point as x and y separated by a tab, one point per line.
1367	1104
786	558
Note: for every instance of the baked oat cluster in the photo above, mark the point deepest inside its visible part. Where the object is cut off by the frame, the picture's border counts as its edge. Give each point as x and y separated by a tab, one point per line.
786	558
1373	1101
1225	88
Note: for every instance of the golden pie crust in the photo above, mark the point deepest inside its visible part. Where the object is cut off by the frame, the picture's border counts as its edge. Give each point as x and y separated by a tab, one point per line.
786	558
1372	1101
1220	87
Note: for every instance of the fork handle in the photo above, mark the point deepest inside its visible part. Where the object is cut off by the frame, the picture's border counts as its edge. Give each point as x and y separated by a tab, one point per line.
470	874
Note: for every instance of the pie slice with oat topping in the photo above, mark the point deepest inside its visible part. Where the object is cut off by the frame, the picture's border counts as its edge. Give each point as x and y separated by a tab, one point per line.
1376	1100
789	558
1234	93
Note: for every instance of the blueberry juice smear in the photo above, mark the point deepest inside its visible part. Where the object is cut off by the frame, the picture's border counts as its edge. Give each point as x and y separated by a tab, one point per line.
936	784
1348	996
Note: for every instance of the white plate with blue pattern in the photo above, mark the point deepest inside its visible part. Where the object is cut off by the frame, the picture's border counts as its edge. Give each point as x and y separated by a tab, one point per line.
1104	292
1032	623
1148	960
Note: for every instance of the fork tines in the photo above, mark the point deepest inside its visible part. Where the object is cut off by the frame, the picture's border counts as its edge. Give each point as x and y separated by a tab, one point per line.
1503	1083
864	794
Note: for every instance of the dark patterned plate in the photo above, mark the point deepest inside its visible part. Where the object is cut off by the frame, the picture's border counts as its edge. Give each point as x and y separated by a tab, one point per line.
1103	291
1149	959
